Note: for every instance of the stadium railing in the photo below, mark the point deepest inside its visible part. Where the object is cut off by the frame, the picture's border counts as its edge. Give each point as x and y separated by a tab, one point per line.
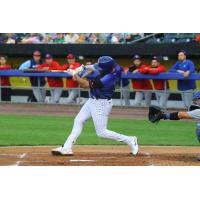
161	76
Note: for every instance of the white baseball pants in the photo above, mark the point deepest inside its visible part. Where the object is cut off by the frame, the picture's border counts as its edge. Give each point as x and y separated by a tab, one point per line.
99	111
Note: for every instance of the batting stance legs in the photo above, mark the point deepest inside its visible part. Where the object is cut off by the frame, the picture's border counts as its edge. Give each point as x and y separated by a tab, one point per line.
99	111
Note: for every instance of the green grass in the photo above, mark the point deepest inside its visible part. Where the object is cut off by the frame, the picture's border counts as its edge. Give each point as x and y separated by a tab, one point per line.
53	130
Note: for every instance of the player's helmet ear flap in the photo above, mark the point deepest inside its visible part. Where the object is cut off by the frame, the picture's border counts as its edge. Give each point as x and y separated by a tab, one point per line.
106	63
196	96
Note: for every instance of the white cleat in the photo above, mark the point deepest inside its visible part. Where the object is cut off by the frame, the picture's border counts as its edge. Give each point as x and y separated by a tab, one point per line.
62	151
134	146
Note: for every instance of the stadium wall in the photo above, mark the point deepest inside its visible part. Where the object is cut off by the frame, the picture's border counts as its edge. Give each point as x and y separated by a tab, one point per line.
101	49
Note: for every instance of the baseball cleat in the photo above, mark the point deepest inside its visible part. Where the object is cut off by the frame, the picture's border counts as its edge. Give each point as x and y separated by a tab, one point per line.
198	158
134	146
62	151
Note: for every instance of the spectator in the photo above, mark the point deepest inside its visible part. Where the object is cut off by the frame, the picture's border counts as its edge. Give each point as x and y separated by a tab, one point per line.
59	38
161	86
185	67
143	87
32	38
81	39
93	38
103	38
115	39
4	81
37	83
55	84
10	38
70	83
71	38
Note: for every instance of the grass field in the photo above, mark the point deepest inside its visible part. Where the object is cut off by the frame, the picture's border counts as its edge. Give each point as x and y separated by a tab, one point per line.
53	130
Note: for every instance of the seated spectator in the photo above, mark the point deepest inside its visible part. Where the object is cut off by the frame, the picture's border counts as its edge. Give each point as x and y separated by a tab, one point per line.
93	38
10	38
70	83
71	38
55	84
115	39
81	39
59	38
143	87
32	38
161	86
4	81
185	67
37	83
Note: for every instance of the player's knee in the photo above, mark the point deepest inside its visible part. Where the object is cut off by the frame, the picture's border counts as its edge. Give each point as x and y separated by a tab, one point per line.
101	133
79	120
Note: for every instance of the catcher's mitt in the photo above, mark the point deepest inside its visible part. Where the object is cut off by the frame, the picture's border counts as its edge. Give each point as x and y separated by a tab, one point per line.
155	114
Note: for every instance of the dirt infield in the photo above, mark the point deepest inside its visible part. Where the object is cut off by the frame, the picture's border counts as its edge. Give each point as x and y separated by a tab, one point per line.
99	155
66	110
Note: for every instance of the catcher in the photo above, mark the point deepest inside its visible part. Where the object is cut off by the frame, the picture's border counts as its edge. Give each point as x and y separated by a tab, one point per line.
156	114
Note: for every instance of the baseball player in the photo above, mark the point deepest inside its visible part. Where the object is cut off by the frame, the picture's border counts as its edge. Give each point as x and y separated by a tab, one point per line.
71	84
143	87
185	67
5	91
161	86
98	107
38	84
155	114
55	84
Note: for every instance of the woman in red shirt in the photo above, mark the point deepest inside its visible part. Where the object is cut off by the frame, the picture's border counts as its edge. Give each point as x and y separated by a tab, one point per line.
55	84
4	81
72	85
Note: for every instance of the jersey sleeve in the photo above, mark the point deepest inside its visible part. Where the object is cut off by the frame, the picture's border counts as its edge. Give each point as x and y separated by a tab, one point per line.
158	70
109	79
194	113
174	68
191	67
25	65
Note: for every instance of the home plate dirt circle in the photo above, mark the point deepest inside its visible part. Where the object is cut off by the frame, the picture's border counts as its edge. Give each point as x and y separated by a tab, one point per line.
100	155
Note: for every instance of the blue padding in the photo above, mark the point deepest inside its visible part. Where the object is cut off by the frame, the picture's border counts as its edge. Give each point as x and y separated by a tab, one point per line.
161	76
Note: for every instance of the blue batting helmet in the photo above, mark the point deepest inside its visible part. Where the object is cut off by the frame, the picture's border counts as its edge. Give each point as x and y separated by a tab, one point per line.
196	95
106	63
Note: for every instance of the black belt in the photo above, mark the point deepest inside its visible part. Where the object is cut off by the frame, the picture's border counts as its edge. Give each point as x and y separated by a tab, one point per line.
100	98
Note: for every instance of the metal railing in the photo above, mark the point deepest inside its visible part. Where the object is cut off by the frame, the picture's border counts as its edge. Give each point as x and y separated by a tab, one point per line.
136	76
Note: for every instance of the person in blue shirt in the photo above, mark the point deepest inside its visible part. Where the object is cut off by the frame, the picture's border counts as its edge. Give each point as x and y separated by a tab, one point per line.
98	107
185	67
37	83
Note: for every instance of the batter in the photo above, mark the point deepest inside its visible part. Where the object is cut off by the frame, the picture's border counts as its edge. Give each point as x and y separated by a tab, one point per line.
98	107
